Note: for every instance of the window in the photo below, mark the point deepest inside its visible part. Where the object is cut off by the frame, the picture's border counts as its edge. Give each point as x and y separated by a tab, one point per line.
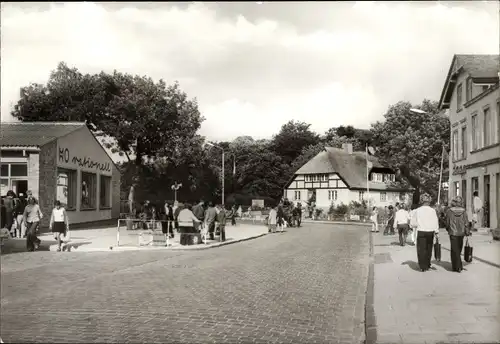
463	143
468	91
464	189
484	88
487	127
105	192
459	96
455	144
361	195
498	121
474	186
475	132
297	195
383	197
66	188
332	195
89	186
457	189
13	174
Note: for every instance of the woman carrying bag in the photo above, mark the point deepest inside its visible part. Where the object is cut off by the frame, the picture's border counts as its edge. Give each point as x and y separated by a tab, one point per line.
457	226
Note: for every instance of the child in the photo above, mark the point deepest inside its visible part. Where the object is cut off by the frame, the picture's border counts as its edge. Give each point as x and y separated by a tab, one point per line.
374	219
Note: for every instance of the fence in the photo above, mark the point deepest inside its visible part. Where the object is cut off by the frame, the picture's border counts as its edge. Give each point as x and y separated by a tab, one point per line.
139	232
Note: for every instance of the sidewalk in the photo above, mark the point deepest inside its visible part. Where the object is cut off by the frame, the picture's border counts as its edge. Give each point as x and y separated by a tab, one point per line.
437	306
105	239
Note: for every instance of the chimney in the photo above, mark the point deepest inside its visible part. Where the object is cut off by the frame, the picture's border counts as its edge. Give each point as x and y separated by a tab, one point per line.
347	147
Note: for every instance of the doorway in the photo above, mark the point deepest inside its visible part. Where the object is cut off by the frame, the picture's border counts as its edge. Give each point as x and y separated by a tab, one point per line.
19	186
486	217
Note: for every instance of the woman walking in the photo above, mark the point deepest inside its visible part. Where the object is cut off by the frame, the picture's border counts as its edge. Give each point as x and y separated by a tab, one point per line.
59	224
457	226
32	216
374	220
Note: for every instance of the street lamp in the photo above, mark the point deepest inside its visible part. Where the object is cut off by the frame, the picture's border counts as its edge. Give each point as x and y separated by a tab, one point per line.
176	187
222	149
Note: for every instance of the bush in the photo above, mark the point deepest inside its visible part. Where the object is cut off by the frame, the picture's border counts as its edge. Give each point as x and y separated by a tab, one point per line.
357	208
318	213
339	210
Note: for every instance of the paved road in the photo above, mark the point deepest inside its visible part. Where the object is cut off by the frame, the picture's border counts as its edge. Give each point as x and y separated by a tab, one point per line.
304	286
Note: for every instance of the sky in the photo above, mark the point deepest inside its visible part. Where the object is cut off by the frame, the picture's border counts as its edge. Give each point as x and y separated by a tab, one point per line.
254	66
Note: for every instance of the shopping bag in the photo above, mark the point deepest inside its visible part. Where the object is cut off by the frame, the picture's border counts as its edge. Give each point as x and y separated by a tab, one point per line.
437	250
467	251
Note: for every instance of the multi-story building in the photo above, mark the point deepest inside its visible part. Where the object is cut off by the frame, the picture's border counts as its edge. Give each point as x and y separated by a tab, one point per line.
472	95
339	176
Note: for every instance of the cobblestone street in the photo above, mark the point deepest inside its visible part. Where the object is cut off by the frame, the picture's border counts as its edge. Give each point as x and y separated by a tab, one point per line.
303	286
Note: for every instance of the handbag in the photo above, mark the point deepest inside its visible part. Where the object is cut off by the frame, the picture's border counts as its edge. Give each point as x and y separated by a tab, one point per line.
467	251
437	250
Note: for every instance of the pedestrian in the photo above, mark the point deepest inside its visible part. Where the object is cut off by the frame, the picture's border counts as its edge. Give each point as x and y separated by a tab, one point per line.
232	215
9	212
402	224
32	216
177	209
374	220
477	206
298	216
59	223
272	220
457	226
426	222
169	214
390	221
20	225
413	229
280	216
210	217
221	219
187	221
199	212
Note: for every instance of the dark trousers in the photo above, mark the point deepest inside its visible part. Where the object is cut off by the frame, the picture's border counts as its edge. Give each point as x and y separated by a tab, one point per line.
389	229
233	221
222	231
403	233
424	249
456	245
211	230
297	219
31	238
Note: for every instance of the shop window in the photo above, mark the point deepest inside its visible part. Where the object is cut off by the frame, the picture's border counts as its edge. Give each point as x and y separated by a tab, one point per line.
89	186
14	177
105	192
66	188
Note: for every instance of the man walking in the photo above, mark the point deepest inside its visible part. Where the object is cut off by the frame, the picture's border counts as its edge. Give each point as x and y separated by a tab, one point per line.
221	219
298	214
457	225
426	222
401	223
210	217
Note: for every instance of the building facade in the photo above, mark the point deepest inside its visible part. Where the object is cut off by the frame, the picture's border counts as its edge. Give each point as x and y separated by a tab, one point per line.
338	176
472	95
60	161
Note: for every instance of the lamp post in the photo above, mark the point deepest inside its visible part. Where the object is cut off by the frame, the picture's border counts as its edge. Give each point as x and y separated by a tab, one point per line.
222	150
176	187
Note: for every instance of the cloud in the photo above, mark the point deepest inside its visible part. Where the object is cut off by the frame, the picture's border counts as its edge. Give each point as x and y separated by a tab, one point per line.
254	67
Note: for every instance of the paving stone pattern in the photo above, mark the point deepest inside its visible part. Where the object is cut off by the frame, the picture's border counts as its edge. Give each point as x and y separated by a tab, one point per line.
303	286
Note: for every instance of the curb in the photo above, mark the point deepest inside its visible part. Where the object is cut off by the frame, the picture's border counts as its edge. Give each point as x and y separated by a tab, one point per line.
53	248
370	317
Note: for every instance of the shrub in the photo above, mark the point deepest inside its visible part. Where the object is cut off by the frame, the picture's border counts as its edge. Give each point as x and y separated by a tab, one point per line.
339	210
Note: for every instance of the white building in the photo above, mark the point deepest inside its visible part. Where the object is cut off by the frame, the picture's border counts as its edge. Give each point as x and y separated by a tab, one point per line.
471	93
339	176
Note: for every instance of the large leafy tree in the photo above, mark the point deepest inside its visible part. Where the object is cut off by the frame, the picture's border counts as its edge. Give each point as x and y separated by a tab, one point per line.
292	138
142	118
413	142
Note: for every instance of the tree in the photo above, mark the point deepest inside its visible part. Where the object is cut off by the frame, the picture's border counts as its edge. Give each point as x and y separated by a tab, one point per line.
292	138
412	143
359	138
145	119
